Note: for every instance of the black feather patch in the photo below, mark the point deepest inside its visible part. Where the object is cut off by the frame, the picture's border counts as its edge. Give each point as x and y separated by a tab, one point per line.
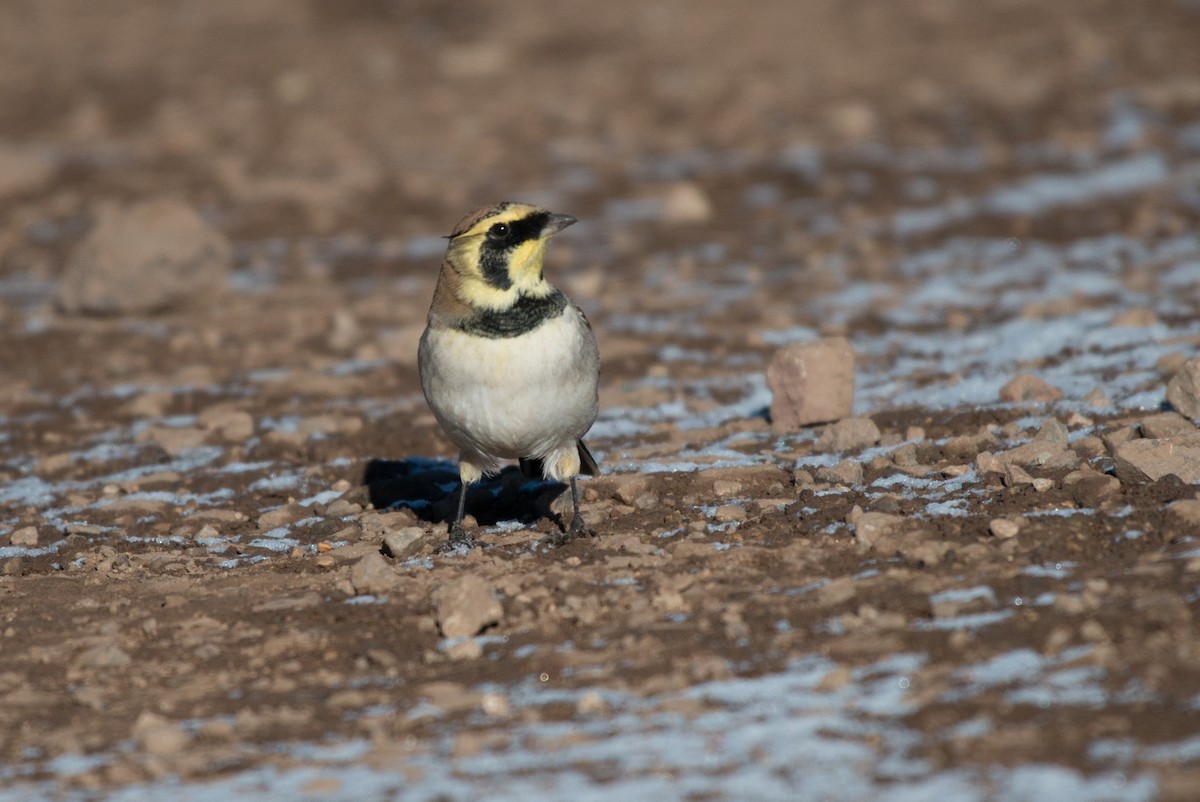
522	317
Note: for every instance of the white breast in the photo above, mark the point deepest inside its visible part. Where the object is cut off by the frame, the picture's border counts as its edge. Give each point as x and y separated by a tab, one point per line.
524	396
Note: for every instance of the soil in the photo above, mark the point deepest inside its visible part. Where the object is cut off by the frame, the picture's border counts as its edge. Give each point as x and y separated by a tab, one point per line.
966	191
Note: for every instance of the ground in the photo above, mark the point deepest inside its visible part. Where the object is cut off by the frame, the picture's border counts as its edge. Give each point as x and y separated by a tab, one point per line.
958	593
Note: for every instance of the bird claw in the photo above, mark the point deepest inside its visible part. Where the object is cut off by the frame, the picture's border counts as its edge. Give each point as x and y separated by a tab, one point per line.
576	530
459	539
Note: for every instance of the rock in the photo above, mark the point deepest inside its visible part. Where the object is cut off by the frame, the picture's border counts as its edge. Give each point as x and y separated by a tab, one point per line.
159	736
724	488
869	527
145	258
25	536
1028	387
849	434
1053	431
1165	424
1183	391
1148	460
729	513
686	203
905	456
629	487
1186	511
1115	438
233	425
1035	452
1089	447
1004	528
1015	475
466	607
173	440
372	575
404	543
376	525
281	516
847	472
811	382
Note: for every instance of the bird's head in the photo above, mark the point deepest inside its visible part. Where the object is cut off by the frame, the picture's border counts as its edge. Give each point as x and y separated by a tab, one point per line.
496	253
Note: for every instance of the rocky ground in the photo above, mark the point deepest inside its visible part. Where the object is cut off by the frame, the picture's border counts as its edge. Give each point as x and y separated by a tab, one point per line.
220	488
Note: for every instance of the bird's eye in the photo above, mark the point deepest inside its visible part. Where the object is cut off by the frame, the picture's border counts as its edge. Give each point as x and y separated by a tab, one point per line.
499	231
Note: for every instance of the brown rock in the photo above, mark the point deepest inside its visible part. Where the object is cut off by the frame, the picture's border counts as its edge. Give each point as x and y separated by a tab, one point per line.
811	382
404	543
376	525
729	513
159	736
1004	528
1028	387
685	202
1186	511
281	516
466	607
372	575
25	536
232	424
848	434
173	440
145	258
1183	391
1035	452
629	487
1148	460
848	471
869	527
1091	488
1165	424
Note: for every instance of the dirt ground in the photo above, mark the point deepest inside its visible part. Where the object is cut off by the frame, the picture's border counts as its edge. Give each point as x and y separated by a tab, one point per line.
952	595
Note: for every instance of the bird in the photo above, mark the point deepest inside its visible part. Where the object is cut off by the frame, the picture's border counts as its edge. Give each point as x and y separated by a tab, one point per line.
509	365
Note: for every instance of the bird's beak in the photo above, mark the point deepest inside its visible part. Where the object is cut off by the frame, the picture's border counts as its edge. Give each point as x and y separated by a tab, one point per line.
555	224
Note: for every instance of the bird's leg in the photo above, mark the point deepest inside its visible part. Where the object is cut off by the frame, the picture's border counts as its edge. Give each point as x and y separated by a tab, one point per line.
577	528
458	535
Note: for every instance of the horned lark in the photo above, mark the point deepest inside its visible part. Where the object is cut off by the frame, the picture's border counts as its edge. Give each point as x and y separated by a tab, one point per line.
508	364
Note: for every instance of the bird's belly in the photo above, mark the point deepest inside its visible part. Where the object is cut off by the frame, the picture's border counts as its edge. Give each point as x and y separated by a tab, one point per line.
512	397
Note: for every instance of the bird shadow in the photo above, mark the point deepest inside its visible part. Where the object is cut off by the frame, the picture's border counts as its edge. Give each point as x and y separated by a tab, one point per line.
429	487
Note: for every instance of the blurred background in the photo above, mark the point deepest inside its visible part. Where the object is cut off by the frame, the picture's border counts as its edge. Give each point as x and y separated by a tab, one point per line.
394	117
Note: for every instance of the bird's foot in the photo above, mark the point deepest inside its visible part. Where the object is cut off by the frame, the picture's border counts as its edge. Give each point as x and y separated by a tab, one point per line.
577	529
460	539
